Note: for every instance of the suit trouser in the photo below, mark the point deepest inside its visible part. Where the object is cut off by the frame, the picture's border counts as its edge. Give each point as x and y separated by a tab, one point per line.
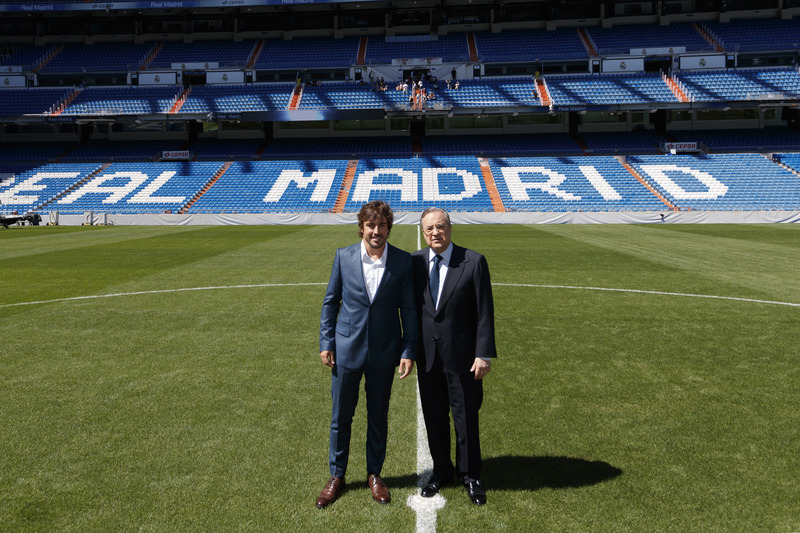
345	384
440	393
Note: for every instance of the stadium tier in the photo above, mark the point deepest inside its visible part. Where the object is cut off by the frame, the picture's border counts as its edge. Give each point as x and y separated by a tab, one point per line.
744	84
633	39
756	34
563	90
235	99
123	100
538	45
722	182
609	89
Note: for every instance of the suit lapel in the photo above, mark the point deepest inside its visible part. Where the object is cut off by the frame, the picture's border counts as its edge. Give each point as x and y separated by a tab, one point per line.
358	271
387	272
455	269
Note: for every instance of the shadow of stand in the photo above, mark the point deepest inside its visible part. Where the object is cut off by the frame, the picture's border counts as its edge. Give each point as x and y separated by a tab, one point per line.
534	473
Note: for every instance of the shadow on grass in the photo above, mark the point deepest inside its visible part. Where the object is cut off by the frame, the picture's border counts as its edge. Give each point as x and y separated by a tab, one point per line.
530	473
534	473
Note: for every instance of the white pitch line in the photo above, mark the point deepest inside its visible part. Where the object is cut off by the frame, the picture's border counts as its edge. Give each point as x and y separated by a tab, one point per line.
425	508
638	291
162	291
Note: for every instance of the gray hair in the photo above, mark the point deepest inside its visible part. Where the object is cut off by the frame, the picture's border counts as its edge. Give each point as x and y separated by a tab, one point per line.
435	210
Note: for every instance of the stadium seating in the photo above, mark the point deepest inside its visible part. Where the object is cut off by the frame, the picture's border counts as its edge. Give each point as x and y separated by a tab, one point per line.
742	84
35	186
635	38
730	182
136	100
756	34
311	53
138	188
519	45
451	182
609	89
32	101
274	187
569	184
235	99
223	53
112	57
447	47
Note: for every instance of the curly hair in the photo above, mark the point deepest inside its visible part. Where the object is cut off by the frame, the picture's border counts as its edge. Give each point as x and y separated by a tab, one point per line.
373	211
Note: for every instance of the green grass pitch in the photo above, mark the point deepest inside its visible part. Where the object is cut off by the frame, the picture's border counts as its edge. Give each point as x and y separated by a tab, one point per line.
208	410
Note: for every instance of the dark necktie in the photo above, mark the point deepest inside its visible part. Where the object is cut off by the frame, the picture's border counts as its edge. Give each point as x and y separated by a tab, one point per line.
434	278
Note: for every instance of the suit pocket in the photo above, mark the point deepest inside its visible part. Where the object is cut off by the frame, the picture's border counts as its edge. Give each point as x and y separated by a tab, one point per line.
342	329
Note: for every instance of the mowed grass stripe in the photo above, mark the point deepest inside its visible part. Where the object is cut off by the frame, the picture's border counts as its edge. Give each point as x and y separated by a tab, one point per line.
209	410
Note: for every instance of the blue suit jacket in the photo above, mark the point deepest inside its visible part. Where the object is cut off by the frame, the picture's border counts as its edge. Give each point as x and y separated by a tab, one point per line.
360	332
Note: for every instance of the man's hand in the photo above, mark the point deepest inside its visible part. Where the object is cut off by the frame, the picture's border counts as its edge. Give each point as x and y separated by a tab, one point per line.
327	358
406	366
480	367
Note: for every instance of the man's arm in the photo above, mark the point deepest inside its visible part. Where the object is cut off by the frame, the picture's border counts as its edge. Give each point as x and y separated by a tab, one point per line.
330	311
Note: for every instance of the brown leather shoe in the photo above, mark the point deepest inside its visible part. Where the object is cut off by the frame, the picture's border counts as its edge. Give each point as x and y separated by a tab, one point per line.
332	490
380	492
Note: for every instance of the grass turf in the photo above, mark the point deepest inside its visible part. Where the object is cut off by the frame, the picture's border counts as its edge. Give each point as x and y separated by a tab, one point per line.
209	409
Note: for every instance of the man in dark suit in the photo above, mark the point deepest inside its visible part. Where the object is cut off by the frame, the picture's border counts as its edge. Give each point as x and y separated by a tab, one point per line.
453	294
369	292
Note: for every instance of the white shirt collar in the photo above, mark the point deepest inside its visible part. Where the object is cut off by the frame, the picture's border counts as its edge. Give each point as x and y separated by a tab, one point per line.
365	257
445	255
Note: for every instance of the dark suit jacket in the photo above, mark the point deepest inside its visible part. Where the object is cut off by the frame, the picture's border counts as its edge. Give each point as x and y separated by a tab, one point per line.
463	326
358	331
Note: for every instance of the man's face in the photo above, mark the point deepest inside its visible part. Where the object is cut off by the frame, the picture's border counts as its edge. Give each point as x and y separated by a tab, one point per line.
436	231
375	233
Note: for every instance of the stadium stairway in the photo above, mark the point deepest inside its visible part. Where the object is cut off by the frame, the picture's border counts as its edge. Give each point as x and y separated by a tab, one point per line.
587	42
473	48
541	90
49	57
207	186
180	101
151	56
254	55
362	51
644	182
708	37
297	95
73	187
347	182
675	87
491	186
63	105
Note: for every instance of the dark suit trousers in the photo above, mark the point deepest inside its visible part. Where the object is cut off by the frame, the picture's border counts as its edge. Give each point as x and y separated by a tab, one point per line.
440	393
345	385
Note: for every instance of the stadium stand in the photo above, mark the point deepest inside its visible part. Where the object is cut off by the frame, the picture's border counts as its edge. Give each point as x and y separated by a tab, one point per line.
524	45
235	99
569	184
609	89
274	187
632	39
742	84
756	34
136	100
729	182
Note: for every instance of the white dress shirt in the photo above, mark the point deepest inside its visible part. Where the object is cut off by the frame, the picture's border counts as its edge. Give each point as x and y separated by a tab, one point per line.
373	270
443	264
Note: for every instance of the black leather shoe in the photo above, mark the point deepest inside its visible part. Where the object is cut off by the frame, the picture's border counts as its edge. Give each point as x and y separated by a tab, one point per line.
475	491
432	487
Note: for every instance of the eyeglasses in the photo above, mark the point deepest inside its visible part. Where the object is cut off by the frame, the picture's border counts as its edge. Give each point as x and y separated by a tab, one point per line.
429	230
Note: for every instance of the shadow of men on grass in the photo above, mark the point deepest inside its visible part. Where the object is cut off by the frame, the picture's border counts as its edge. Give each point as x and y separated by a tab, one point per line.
534	473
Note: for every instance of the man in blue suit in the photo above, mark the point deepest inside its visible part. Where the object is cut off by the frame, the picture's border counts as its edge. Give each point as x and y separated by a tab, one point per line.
370	291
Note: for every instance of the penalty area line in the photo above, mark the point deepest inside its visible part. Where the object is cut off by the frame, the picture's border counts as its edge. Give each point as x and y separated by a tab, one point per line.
161	291
639	291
